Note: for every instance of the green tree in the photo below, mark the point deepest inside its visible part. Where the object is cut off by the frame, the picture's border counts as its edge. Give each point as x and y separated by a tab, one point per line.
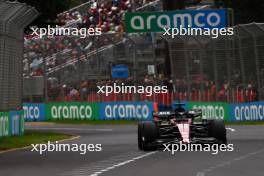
245	11
49	9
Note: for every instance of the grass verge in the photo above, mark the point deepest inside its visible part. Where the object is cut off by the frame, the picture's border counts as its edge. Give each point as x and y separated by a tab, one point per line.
246	123
95	122
30	137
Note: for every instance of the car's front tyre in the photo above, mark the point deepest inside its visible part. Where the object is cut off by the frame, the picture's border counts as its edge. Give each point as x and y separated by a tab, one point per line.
140	131
218	131
147	135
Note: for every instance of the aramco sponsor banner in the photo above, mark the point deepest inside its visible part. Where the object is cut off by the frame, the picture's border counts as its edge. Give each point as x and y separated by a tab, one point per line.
16	123
4	124
211	110
126	110
253	111
157	21
34	112
11	123
73	110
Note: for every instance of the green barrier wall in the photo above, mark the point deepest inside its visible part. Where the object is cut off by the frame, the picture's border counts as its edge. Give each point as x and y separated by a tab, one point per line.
4	124
253	111
74	110
218	110
11	123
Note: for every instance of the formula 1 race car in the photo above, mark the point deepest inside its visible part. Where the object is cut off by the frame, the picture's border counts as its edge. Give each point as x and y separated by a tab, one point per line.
180	125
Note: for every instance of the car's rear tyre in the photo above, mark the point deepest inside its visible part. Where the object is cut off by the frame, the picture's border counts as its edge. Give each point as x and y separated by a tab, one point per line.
147	135
140	131
218	131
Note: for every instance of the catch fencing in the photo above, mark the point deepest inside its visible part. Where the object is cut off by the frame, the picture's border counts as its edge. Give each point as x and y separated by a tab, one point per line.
91	61
228	68
231	68
195	68
14	18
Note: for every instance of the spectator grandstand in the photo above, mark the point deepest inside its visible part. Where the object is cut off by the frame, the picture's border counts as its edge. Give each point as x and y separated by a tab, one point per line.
87	91
107	15
70	52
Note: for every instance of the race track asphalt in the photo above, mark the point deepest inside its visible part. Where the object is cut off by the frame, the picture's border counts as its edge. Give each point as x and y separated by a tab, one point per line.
121	157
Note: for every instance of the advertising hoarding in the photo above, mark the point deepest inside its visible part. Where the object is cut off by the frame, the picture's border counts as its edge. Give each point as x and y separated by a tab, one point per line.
157	21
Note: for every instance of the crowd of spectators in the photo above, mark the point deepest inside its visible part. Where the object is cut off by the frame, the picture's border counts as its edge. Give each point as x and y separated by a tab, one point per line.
57	52
107	15
207	90
81	91
199	91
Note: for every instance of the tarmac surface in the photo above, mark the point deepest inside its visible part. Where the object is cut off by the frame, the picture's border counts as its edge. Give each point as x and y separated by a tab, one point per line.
121	157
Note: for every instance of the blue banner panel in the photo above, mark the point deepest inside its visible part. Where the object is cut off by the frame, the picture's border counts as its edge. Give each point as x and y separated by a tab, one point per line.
184	104
253	111
34	112
120	71
126	111
16	123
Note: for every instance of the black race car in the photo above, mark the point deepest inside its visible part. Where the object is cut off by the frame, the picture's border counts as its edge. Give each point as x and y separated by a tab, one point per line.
180	125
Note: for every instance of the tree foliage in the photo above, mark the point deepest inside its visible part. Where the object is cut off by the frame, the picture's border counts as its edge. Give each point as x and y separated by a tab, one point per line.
245	11
49	9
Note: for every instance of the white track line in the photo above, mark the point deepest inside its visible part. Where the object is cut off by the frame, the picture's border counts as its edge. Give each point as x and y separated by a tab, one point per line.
72	129
231	129
226	163
121	164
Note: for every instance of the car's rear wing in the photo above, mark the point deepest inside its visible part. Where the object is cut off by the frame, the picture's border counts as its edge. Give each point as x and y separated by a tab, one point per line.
163	113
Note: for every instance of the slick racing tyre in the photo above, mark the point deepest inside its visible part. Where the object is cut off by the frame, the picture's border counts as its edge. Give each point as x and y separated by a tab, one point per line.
147	135
218	131
140	131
